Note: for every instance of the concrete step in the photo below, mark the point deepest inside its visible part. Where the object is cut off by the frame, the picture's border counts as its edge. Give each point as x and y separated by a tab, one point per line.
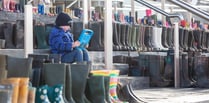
137	83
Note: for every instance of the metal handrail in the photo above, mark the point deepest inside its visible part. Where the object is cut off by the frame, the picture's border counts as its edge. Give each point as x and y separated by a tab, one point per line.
191	9
159	10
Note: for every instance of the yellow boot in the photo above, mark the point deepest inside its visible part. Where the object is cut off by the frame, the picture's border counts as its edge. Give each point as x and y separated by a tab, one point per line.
23	90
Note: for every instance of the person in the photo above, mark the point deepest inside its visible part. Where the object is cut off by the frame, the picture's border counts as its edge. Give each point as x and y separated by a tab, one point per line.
61	41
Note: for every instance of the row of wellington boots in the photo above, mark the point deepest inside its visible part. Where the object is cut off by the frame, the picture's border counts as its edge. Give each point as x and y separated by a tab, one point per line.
20	89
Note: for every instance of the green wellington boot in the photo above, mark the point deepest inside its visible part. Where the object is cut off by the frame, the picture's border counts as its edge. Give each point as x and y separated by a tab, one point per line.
79	74
96	89
68	92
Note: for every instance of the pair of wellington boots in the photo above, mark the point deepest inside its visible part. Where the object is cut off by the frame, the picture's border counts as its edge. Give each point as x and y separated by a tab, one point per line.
73	77
186	78
21	92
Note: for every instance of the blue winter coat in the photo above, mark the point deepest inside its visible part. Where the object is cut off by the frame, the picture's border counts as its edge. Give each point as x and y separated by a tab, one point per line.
60	41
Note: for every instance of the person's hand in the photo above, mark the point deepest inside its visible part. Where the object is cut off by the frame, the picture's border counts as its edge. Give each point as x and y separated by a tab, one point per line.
76	44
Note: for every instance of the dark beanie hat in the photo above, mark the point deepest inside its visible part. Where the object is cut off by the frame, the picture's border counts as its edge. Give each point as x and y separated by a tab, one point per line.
63	19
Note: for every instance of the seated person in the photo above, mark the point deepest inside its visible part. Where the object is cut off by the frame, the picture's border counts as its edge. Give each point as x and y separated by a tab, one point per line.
61	41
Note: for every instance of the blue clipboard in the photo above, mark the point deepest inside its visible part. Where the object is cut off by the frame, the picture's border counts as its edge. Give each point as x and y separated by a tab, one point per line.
85	37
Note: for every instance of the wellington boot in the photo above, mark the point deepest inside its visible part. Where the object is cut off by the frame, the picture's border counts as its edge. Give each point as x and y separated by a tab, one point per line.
197	39
3	64
204	41
122	36
57	71
23	90
159	39
191	41
79	73
186	39
181	39
164	37
96	89
96	41
31	94
116	46
133	37
138	38
15	82
207	41
41	36
147	37
170	37
107	88
127	33
8	34
23	69
128	95
77	28
19	34
6	91
68	92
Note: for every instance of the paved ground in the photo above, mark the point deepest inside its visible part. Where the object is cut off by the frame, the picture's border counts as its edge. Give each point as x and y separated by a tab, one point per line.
173	95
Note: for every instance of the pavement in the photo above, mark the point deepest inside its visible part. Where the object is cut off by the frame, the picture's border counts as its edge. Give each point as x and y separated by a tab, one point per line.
173	95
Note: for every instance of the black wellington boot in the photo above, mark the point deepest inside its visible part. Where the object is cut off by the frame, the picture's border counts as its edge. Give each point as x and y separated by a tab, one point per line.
55	74
122	37
185	80
207	41
181	38
79	73
164	37
191	41
68	92
186	38
156	65
197	39
95	43
8	34
147	37
119	31
133	37
116	46
127	33
170	37
204	41
19	67
96	89
201	70
19	35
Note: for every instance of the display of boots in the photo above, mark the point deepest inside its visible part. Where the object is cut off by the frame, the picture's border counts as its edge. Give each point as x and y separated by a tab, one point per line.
23	69
8	34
